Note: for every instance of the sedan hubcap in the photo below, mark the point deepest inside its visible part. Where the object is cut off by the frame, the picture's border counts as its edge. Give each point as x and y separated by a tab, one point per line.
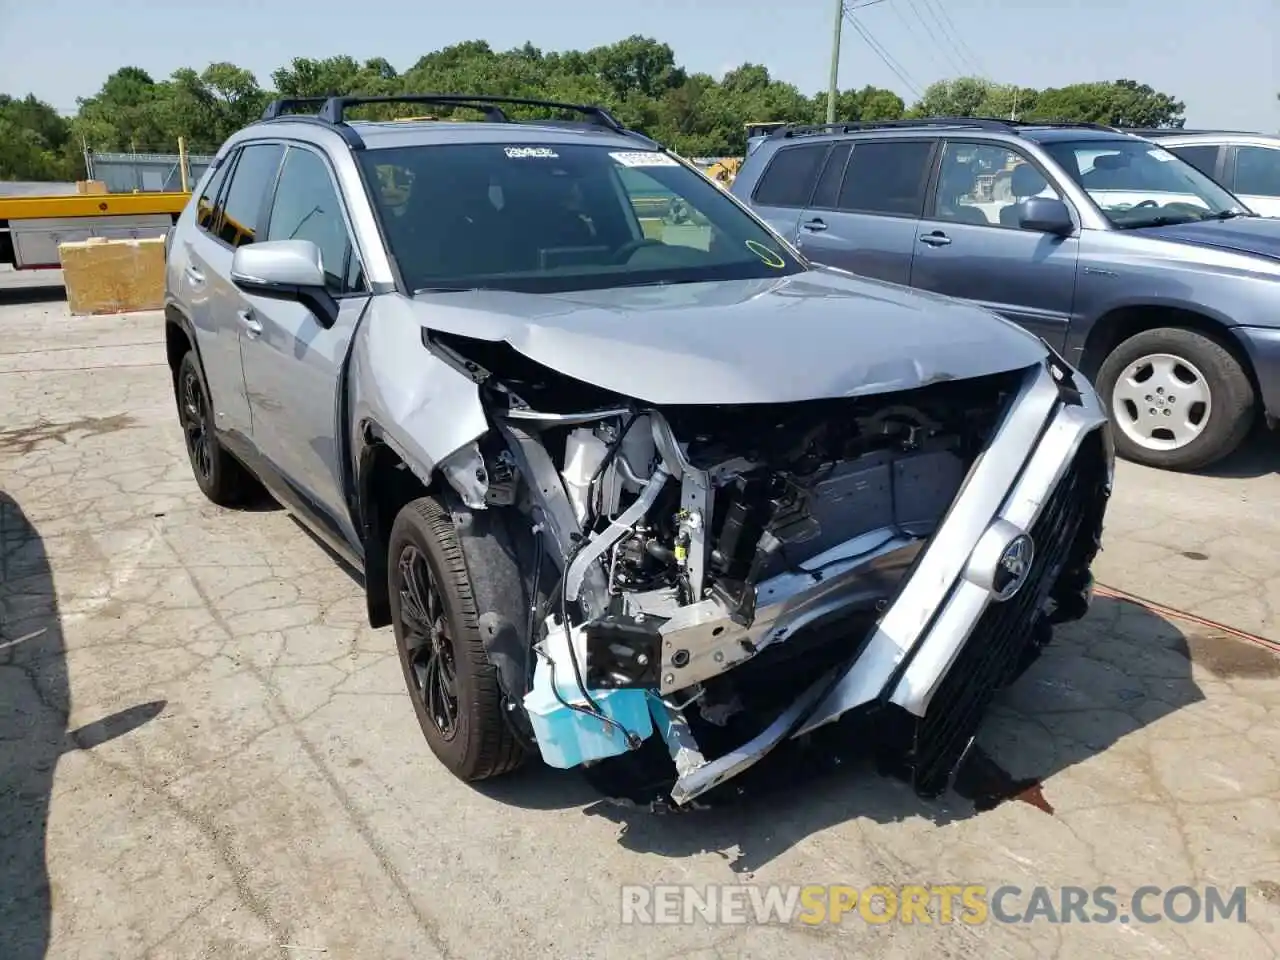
1161	402
428	645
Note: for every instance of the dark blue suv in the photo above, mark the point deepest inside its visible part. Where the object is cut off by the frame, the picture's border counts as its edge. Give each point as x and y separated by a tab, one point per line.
1154	280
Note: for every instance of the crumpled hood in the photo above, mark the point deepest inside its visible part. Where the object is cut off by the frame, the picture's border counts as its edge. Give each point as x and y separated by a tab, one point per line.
814	335
1259	236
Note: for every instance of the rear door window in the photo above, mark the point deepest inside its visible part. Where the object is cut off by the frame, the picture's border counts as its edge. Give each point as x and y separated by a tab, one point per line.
887	177
1258	171
207	211
790	177
828	191
1204	157
245	198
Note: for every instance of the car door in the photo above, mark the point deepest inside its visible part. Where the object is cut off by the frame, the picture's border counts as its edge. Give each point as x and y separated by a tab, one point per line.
241	208
971	246
786	185
1255	178
218	337
866	210
292	363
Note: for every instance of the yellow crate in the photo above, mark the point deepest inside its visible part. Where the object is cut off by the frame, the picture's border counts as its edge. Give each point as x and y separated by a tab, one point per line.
113	276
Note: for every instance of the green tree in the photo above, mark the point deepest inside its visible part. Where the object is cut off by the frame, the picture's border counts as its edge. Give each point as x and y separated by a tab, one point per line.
1116	103
638	78
35	142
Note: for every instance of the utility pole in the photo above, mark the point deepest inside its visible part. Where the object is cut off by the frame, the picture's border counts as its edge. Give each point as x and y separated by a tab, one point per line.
833	89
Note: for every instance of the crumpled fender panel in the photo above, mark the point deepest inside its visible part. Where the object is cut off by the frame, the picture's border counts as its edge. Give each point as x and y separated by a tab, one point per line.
424	409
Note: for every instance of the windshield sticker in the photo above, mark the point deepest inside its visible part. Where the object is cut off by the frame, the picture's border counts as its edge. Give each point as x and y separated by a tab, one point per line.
1163	156
646	158
770	257
531	153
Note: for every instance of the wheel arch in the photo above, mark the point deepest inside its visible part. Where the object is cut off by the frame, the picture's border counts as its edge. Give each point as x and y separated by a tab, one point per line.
499	552
1120	323
385	482
179	337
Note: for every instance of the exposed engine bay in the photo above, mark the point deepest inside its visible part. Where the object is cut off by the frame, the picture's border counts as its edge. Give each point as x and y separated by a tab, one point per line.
710	563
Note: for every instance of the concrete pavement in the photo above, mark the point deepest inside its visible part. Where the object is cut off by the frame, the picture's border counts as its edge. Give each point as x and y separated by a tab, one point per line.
204	752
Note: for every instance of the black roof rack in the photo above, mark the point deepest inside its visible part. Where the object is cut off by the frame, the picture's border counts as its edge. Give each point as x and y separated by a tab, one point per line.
286	105
332	112
1156	132
965	123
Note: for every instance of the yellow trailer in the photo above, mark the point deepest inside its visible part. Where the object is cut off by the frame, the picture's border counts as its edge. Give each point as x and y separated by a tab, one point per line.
31	228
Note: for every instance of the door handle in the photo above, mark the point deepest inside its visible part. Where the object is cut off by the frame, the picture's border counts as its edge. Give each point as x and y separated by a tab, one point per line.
251	324
816	225
935	239
194	275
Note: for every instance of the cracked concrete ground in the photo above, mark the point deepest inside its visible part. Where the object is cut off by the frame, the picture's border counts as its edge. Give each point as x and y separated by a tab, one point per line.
205	752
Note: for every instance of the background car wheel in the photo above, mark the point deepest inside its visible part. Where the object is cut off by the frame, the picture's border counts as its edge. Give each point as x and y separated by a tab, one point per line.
220	476
1177	399
453	686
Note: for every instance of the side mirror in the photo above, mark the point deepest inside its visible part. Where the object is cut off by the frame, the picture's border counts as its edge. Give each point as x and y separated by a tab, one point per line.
1047	215
285	270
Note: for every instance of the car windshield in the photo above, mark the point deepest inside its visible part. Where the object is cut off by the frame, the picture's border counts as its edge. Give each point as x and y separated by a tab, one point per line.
1139	184
545	218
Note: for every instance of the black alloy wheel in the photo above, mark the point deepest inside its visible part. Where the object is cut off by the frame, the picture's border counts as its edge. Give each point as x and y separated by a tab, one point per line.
428	643
195	424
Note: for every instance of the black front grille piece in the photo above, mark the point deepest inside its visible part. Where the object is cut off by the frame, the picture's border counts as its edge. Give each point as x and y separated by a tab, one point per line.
1001	636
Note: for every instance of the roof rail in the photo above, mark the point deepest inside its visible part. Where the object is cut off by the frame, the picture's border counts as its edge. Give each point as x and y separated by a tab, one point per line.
816	129
332	113
1066	124
334	109
1156	132
966	123
285	105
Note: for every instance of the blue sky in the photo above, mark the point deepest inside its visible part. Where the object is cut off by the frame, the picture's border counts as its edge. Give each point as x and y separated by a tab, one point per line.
1220	58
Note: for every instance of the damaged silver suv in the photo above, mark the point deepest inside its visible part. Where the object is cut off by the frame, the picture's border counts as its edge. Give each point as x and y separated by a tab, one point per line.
616	463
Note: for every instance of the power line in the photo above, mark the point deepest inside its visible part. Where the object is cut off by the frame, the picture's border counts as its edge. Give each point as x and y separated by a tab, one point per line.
962	46
878	49
914	32
955	64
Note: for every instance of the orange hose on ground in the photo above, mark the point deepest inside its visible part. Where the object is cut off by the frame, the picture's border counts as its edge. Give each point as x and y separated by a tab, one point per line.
1176	614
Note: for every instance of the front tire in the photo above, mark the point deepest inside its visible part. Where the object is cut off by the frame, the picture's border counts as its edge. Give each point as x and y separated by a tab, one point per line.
1177	399
453	686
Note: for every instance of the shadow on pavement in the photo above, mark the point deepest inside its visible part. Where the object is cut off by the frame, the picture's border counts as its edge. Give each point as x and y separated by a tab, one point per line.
1102	679
35	703
1259	456
30	292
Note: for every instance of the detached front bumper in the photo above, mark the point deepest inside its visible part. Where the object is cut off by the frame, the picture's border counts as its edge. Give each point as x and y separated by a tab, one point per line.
1017	541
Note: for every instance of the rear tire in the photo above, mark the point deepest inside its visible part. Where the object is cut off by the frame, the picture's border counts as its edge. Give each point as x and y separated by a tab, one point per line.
1177	399
219	475
453	686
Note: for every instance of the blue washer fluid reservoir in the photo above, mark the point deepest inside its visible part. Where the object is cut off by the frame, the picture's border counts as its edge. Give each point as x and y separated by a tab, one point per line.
568	738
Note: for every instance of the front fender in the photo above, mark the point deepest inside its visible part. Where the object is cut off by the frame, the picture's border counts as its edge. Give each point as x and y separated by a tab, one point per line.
415	403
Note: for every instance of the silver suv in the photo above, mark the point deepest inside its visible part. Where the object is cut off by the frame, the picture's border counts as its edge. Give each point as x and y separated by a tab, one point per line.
617	464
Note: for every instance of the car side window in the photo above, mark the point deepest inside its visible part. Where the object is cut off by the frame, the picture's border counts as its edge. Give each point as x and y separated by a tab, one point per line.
250	181
1258	171
887	177
789	179
306	207
985	184
207	210
828	191
1204	157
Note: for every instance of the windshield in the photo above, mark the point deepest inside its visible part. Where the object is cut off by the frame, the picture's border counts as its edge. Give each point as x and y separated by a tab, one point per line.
1140	184
560	217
